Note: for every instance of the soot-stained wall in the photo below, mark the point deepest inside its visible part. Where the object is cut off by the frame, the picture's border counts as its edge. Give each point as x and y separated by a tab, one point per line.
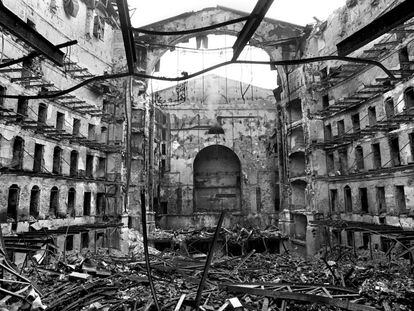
241	129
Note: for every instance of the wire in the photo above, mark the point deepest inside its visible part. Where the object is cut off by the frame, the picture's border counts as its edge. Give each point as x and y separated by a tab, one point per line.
177	47
2	47
382	166
43	123
26	152
189	31
151	202
189	76
34	54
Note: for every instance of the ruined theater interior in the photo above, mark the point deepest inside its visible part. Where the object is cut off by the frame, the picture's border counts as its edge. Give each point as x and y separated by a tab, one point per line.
207	155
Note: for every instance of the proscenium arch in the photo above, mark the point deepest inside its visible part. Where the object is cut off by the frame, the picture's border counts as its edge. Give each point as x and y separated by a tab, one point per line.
217	180
270	30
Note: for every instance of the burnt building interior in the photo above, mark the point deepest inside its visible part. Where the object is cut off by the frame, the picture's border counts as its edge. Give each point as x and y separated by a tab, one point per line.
105	154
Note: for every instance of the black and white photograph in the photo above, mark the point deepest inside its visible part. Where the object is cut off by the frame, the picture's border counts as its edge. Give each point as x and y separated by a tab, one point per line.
206	155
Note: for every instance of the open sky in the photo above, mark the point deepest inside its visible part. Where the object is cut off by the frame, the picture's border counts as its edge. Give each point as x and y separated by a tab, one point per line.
299	12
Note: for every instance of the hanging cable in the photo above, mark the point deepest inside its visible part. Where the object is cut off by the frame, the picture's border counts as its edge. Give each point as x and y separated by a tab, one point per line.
33	54
151	198
2	48
202	77
189	76
353	148
189	31
184	48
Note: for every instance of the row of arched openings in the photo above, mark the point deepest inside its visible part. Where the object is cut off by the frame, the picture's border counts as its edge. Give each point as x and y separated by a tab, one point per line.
408	99
14	197
18	153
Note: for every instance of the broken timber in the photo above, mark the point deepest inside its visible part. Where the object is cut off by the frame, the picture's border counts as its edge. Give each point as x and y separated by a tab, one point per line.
303	293
209	259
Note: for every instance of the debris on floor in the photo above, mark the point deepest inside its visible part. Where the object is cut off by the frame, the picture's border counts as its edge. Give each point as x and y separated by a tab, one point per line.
107	280
235	241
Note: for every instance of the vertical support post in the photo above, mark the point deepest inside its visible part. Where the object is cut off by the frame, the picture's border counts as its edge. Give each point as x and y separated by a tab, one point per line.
370	246
146	253
128	104
208	260
151	156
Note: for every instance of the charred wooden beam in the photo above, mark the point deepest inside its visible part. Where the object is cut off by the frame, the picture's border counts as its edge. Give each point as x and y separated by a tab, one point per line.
383	24
29	35
249	28
127	34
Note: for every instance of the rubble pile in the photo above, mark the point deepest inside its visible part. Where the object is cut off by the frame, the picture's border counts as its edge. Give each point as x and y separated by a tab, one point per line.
110	281
236	241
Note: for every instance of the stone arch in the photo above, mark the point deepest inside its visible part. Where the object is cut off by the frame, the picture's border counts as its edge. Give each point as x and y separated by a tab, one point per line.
34	201
270	30
298	198
17	153
13	202
71	207
217	179
348	199
409	97
297	161
57	160
54	202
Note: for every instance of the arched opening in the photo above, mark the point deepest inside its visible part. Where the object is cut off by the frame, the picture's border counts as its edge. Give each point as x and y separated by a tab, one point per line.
18	150
100	171
409	97
389	107
42	114
38	158
100	203
298	197
294	110
60	121
73	171
348	199
297	164
217	184
89	166
297	140
57	160
2	92
300	224
22	105
104	135
54	202
359	157
71	202
13	202
34	201
87	196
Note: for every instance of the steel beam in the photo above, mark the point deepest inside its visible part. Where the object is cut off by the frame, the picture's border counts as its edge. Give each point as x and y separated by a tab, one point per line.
23	31
127	34
249	28
383	24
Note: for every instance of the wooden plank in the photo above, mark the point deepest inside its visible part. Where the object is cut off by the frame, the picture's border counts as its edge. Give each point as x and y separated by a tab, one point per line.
180	302
346	305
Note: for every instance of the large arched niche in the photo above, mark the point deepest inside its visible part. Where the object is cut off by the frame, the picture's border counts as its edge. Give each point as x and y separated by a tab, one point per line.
217	180
270	31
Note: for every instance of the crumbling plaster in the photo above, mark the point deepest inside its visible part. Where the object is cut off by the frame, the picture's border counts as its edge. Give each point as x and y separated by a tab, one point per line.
305	82
96	55
269	31
247	124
